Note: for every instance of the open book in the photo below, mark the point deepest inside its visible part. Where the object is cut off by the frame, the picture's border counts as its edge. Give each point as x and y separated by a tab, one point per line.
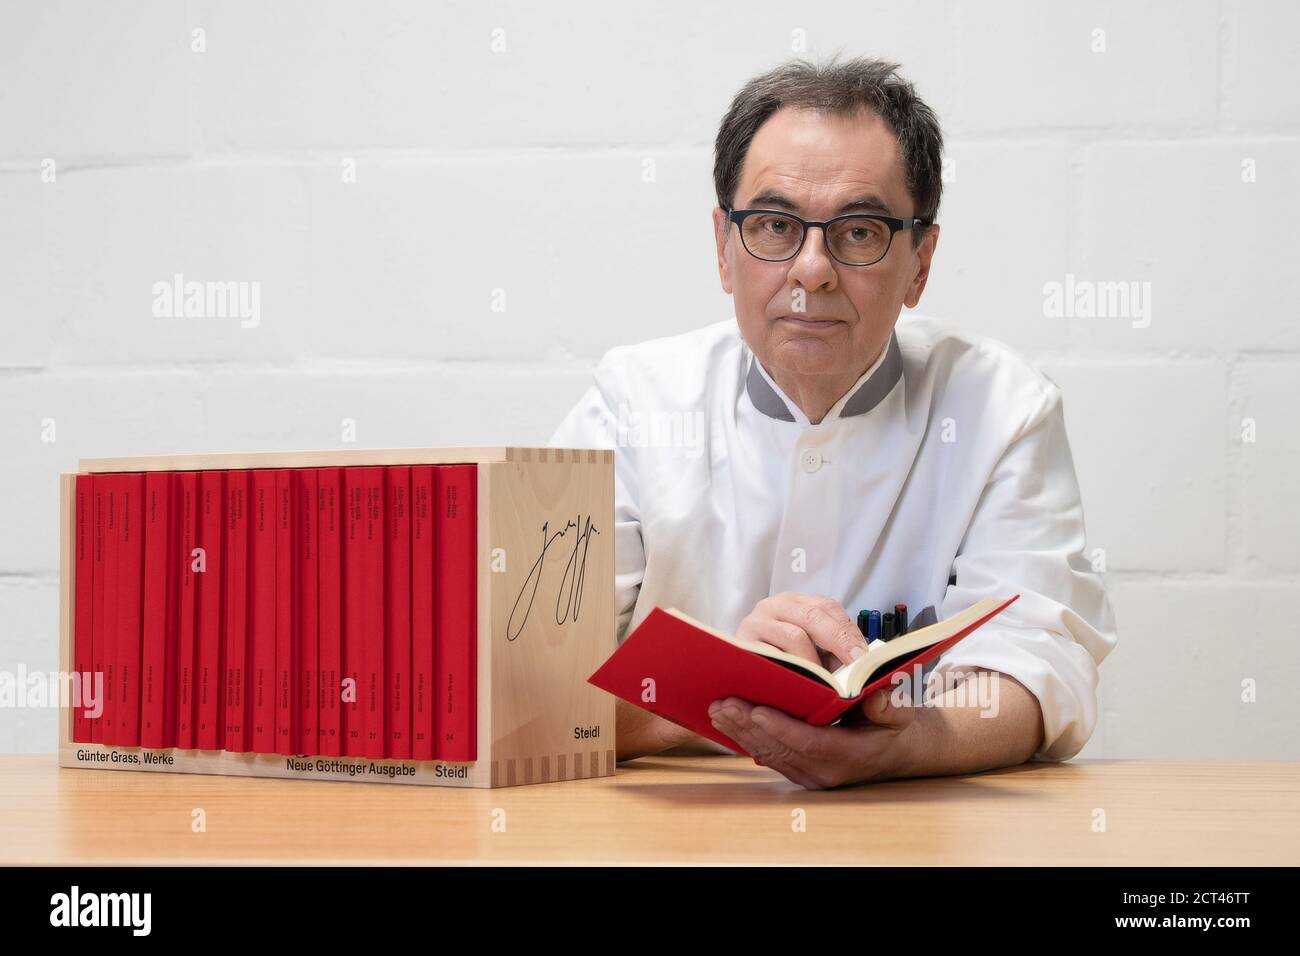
675	666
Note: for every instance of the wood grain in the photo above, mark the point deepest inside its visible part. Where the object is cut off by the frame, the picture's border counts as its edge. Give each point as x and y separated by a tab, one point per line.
664	810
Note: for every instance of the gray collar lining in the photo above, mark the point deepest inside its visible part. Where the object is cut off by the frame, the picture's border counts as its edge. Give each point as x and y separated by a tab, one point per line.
869	394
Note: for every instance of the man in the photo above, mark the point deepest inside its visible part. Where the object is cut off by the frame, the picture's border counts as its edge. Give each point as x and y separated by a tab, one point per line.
832	456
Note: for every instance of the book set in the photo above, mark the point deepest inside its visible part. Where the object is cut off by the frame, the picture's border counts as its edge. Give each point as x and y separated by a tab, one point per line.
396	615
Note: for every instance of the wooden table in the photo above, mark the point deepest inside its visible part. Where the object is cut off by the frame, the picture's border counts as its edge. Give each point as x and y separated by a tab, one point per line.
708	809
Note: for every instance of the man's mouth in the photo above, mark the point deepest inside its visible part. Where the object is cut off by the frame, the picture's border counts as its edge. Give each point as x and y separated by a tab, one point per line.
804	321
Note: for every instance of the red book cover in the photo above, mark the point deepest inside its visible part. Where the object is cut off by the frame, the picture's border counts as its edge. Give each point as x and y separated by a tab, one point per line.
456	611
83	657
209	728
422	565
329	620
173	596
262	617
99	630
398	574
237	549
130	609
308	647
187	505
112	547
158	564
286	714
352	721
374	642
692	665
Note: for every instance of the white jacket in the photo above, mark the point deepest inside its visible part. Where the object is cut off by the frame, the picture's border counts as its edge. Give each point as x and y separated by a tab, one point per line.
942	477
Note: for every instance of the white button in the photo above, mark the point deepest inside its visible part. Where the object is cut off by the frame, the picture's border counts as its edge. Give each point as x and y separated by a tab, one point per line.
811	460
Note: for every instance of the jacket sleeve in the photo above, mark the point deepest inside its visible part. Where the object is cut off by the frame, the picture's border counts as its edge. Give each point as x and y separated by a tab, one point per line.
1026	537
594	422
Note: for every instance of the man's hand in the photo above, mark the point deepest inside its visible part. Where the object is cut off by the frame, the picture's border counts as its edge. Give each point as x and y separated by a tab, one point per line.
816	628
898	741
820	757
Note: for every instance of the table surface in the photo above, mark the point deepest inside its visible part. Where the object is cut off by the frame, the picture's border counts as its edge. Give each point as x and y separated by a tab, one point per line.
663	810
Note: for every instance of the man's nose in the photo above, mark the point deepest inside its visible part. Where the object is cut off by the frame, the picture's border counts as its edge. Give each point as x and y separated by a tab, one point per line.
813	267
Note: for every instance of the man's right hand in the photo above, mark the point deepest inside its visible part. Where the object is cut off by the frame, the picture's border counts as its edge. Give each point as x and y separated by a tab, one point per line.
813	627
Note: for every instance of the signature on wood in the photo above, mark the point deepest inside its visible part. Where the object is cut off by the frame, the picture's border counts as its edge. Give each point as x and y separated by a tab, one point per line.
568	596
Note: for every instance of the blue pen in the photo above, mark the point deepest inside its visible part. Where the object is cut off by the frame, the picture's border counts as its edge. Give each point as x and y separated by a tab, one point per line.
873	626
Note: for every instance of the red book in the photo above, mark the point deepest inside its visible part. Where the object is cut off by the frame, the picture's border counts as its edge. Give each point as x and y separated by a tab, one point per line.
130	609
422	564
286	714
692	665
171	647
83	656
329	621
374	641
156	689
99	630
363	612
208	731
262	619
398	563
354	619
235	681
112	547
187	513
456	611
306	595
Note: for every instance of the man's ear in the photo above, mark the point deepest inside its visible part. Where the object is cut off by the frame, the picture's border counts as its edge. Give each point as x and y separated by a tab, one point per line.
721	230
924	254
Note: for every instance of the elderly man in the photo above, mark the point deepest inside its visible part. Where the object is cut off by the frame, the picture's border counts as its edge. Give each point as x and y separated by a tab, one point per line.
833	456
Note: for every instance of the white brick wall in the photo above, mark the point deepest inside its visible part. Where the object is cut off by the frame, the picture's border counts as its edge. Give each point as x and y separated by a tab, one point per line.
1122	165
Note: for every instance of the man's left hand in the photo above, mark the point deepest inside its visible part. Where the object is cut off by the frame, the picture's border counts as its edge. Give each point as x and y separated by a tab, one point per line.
823	757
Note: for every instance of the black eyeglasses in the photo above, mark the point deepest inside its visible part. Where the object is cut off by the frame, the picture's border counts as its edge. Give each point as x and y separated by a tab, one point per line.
855	240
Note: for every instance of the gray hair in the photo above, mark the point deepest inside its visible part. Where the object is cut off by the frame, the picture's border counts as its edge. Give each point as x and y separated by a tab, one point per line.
838	89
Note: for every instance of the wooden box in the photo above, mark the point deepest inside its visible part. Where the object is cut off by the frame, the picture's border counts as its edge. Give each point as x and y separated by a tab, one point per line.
545	621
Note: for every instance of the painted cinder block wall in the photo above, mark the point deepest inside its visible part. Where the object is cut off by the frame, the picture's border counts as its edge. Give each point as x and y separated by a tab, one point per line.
451	210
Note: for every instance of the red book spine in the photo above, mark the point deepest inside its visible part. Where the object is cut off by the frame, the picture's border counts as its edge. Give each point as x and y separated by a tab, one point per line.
308	646
354	530
112	547
208	706
171	570
422	564
187	502
262	621
398	575
374	619
83	658
456	611
235	682
99	632
157	564
329	622
286	714
130	609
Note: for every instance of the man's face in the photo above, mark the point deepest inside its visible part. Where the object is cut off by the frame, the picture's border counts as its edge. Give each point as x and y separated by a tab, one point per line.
820	163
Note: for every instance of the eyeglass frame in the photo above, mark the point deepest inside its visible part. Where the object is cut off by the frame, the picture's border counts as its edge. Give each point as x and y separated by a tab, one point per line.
738	216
